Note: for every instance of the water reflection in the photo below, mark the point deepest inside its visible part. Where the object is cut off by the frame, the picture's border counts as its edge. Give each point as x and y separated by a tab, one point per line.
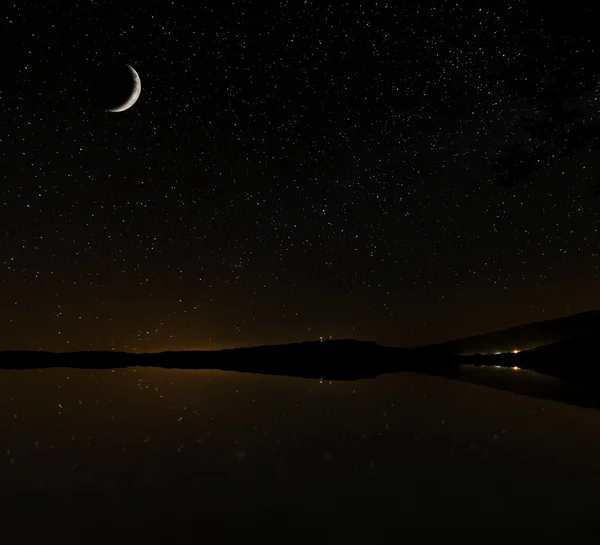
403	447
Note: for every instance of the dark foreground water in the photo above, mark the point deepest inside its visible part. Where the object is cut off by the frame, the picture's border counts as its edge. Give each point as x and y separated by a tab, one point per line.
169	456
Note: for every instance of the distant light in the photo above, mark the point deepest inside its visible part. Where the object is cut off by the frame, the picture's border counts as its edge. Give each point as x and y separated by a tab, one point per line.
515	368
497	353
515	351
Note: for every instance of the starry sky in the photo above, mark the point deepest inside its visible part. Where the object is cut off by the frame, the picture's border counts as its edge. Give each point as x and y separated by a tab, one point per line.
291	170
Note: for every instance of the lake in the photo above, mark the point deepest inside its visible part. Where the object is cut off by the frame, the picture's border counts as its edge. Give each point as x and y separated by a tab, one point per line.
163	452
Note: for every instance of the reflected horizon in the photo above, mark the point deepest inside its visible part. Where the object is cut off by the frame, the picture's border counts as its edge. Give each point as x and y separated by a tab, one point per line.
238	446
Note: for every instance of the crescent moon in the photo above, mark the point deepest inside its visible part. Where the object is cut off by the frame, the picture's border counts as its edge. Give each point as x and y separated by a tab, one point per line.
135	93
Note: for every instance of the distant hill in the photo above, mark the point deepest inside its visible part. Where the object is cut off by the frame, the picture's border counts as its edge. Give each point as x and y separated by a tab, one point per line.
575	360
573	357
331	359
583	345
523	337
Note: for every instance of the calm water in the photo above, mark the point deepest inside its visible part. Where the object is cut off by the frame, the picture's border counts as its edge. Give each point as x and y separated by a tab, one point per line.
158	450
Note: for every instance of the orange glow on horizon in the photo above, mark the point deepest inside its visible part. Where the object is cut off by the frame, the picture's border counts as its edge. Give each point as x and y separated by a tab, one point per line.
192	348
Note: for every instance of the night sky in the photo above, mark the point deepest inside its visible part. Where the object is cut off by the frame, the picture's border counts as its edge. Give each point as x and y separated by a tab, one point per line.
291	170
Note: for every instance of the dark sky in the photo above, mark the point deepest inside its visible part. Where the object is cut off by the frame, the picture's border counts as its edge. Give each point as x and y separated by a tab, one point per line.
291	170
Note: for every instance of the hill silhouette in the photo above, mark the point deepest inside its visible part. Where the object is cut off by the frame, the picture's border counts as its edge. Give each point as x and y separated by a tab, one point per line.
330	359
523	337
573	358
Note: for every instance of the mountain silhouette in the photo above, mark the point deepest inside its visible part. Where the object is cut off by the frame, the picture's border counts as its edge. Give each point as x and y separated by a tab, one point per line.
564	347
522	337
